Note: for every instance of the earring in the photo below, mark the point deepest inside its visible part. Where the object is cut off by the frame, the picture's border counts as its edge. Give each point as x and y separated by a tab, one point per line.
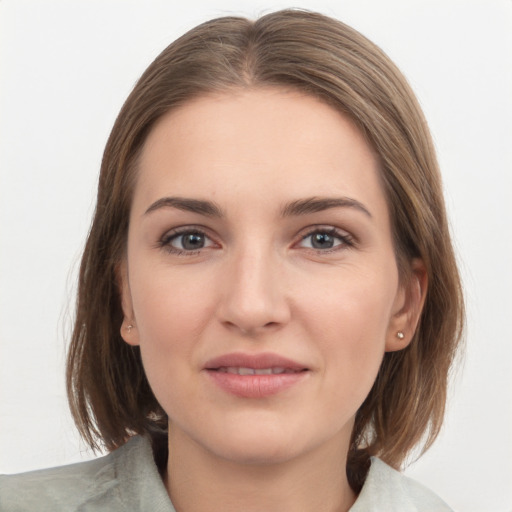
129	327
400	335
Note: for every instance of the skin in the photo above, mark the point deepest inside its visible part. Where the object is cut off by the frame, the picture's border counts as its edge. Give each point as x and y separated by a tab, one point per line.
260	283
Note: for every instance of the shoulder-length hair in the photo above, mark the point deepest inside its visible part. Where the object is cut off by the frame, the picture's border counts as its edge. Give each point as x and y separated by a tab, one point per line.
109	394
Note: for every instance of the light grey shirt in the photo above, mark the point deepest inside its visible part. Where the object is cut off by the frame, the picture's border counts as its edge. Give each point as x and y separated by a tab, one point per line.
128	480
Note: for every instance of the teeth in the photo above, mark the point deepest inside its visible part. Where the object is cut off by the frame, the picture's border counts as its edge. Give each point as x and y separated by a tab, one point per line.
236	370
246	371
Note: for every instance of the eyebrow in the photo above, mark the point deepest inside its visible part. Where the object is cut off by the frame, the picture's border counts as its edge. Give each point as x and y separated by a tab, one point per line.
294	208
319	204
207	208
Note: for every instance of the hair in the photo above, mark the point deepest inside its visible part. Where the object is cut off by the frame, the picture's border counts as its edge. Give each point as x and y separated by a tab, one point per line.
108	392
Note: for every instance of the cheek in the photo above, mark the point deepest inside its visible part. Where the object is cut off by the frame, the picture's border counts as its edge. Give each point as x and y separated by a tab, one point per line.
170	313
169	306
349	320
353	300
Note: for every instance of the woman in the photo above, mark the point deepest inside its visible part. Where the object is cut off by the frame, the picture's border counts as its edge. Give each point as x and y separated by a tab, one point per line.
268	303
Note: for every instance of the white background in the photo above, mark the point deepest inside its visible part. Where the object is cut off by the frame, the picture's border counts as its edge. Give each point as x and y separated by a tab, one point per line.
67	66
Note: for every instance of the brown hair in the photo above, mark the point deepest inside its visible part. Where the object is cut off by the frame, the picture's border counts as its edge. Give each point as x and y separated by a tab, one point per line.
109	395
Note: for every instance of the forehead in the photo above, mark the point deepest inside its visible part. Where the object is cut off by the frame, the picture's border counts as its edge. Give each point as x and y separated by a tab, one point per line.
268	143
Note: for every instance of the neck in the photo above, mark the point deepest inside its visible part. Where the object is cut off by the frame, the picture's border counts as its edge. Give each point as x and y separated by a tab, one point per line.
199	481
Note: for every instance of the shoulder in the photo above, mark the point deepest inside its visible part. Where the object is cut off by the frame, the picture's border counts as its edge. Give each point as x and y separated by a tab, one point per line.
74	486
386	489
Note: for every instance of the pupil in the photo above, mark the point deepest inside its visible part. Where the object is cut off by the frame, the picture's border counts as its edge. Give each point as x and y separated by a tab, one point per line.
193	241
322	241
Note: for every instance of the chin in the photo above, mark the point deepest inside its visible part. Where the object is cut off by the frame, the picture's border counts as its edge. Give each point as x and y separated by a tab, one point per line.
258	444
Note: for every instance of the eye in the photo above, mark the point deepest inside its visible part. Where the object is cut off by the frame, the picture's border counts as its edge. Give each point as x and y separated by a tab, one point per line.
186	241
326	239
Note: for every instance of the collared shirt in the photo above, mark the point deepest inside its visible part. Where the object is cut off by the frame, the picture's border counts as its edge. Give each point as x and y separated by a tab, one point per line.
127	480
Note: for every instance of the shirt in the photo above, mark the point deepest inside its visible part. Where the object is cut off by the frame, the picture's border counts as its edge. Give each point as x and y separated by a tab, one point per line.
128	480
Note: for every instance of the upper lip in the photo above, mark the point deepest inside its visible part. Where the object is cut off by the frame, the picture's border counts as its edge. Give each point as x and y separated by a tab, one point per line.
256	361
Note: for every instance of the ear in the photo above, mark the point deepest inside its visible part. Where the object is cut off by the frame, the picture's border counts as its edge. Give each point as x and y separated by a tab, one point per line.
129	331
407	307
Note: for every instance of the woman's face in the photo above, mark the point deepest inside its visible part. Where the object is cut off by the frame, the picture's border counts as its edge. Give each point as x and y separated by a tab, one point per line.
260	277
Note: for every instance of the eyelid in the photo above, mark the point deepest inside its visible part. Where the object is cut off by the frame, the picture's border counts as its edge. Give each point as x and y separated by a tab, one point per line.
164	242
347	239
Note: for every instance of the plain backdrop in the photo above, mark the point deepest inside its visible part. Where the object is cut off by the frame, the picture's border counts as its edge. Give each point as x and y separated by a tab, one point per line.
67	66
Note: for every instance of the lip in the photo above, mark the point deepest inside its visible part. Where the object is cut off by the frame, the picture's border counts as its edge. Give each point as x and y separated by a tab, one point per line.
255	385
256	361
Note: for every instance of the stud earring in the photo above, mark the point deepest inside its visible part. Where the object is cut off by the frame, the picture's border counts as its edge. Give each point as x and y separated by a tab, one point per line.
400	335
129	327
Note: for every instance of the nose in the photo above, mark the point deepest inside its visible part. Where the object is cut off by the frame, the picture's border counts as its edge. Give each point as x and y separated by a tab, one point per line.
253	298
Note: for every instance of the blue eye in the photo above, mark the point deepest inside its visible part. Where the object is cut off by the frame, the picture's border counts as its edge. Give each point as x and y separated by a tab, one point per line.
185	241
188	241
325	240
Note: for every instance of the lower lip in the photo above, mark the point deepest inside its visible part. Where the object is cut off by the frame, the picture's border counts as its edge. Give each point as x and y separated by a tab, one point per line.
255	386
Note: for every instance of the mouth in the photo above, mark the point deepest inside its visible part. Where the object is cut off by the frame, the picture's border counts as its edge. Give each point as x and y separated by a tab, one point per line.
265	363
255	375
240	370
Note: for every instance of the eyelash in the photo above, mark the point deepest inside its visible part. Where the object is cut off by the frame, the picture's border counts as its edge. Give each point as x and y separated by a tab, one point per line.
347	240
164	243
